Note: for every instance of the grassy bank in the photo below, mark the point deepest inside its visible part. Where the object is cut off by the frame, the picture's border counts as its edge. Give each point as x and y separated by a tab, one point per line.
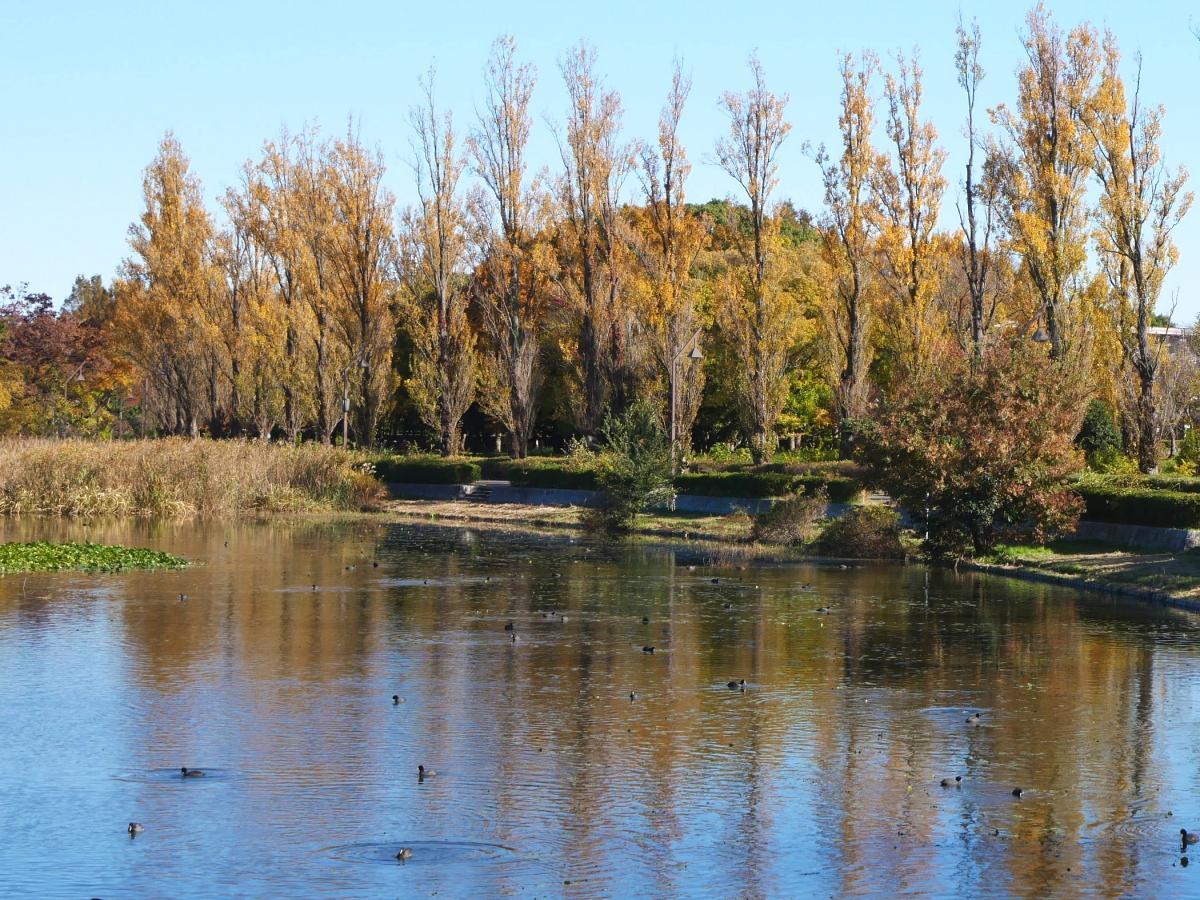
1173	577
1168	577
176	477
41	556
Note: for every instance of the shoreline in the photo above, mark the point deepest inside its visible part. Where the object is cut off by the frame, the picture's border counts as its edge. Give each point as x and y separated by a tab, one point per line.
695	533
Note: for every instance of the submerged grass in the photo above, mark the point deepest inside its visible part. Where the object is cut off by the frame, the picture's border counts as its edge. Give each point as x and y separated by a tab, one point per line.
177	477
42	556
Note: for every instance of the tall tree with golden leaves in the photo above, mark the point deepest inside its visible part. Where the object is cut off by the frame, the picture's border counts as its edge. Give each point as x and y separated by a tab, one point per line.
361	254
1041	168
435	272
277	231
976	210
666	240
1141	203
314	218
761	318
511	218
908	194
589	241
847	244
166	290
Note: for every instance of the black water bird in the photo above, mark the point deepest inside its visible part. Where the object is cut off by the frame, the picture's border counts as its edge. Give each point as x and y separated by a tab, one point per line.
647	649
182	597
1188	837
135	828
632	696
423	772
190	773
973	718
734	685
510	626
956	781
396	701
645	620
404	854
1018	792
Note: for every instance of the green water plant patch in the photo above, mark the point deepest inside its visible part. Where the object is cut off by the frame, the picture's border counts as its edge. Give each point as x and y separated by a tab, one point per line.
43	556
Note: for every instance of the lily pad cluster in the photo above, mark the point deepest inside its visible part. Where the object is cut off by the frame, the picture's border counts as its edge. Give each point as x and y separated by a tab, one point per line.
43	556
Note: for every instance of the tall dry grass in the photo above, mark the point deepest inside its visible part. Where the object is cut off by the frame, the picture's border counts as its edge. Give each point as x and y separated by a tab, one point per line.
176	477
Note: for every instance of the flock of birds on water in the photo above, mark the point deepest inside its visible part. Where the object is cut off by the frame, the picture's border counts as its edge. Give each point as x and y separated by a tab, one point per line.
1187	838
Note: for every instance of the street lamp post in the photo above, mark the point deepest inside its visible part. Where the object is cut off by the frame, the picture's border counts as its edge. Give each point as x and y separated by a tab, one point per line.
361	360
673	377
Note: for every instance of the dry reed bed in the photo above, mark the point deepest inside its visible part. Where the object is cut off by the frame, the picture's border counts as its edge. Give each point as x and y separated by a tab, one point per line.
177	477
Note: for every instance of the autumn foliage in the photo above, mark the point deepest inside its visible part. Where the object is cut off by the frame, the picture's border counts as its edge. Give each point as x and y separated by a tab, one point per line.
983	452
530	305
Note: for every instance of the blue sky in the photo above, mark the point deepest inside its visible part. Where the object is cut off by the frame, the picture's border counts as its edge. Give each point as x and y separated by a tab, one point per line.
89	88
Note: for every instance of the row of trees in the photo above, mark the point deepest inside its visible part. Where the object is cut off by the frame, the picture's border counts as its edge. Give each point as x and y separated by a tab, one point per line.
565	294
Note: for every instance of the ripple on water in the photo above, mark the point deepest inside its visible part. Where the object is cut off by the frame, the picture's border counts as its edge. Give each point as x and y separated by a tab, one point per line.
435	582
173	776
440	853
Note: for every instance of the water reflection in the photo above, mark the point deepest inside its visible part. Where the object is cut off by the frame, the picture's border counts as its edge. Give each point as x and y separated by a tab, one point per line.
823	776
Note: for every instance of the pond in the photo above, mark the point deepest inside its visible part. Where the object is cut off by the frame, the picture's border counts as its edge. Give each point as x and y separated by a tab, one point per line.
820	777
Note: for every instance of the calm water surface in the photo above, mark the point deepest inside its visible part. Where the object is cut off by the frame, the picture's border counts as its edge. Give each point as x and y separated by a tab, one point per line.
820	779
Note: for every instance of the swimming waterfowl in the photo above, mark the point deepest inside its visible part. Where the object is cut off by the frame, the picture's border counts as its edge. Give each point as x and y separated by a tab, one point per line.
1017	792
632	696
645	620
136	828
1188	837
190	773
396	701
374	565
510	626
734	685
715	580
973	718
956	781
404	854
647	649
423	772
314	587
822	609
727	606
182	597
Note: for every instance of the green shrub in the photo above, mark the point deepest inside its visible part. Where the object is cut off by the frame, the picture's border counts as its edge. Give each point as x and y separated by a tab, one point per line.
1099	433
790	520
1140	506
635	470
427	470
865	532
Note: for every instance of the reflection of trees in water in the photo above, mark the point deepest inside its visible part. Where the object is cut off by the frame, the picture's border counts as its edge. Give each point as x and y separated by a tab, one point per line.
543	735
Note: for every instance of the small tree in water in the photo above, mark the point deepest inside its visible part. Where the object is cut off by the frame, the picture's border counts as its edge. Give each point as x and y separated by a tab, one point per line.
635	470
983	454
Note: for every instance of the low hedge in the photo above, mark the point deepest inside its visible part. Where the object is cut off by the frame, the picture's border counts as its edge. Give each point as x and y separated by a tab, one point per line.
1140	506
736	484
540	473
1180	484
427	470
554	473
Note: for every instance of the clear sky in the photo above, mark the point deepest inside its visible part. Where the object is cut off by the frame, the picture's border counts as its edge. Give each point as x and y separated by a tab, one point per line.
89	88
